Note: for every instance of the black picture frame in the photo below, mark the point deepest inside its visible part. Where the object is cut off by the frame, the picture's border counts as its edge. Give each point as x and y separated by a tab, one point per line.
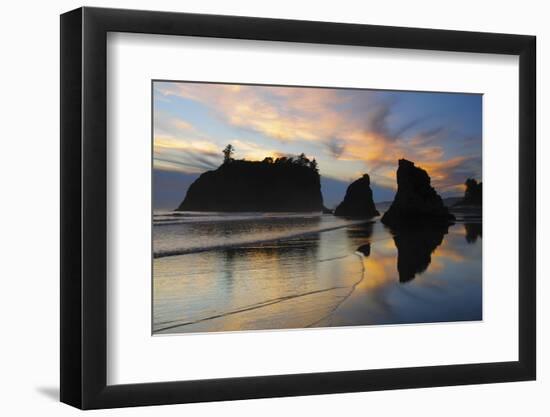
84	207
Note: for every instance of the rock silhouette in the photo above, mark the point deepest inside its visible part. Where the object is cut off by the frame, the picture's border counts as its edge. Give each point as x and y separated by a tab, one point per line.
358	200
473	196
415	200
285	184
415	245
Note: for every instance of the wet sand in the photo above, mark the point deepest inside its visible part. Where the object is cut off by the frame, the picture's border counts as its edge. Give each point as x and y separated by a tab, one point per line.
345	275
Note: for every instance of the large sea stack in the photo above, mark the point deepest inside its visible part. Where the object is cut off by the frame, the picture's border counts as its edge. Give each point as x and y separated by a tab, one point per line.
263	186
358	200
415	200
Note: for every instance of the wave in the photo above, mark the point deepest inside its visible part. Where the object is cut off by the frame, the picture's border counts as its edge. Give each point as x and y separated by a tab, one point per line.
252	241
173	218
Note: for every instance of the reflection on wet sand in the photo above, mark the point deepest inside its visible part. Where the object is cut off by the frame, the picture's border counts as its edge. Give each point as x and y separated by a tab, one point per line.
364	249
415	245
348	276
473	231
447	284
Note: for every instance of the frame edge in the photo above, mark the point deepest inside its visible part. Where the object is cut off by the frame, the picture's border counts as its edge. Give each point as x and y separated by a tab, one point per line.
527	137
83	198
70	213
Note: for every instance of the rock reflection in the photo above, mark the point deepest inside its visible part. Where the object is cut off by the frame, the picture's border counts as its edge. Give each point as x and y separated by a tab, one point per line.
415	245
473	231
364	249
361	233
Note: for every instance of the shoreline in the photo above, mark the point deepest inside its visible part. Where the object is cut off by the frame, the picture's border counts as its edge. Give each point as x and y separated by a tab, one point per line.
177	252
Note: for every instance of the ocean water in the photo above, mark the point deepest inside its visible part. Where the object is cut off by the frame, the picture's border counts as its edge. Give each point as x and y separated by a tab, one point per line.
257	271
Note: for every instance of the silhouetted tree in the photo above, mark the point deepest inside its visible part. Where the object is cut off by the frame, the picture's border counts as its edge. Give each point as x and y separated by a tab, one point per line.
302	160
268	160
313	165
228	153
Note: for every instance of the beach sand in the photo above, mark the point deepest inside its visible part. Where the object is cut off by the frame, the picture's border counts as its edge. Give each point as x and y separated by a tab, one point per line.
326	272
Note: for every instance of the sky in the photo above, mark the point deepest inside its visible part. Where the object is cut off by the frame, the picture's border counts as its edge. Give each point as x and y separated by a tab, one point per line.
348	131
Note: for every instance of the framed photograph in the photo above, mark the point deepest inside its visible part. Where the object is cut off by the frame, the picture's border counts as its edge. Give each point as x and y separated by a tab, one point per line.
257	208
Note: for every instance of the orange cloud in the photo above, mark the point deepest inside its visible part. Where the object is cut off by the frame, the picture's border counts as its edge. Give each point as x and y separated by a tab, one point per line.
282	113
318	115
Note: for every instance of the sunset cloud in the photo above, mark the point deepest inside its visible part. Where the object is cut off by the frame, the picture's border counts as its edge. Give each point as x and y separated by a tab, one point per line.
191	157
282	113
348	131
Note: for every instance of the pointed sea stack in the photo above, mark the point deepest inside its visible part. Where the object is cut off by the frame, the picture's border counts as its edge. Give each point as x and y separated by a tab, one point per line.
415	200
358	200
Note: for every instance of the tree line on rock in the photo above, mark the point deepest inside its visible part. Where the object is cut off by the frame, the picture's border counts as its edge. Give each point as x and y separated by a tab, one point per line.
300	160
